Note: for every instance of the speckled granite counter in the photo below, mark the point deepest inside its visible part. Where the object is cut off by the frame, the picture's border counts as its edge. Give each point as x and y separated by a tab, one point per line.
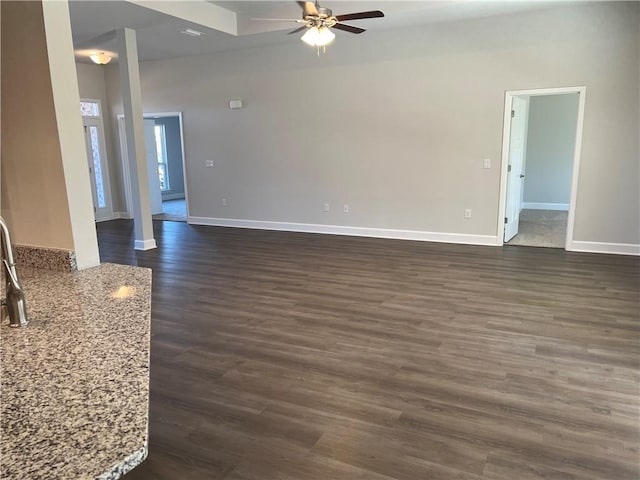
74	396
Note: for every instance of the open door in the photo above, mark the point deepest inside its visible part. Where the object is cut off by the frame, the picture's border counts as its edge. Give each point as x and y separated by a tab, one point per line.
514	146
155	194
515	169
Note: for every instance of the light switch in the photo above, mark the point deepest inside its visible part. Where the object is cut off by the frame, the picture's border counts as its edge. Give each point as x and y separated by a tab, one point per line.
209	164
487	163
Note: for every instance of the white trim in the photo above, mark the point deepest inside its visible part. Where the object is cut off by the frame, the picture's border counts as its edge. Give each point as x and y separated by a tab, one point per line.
124	215
506	140
545	206
345	230
184	166
506	135
145	244
538	92
602	247
576	169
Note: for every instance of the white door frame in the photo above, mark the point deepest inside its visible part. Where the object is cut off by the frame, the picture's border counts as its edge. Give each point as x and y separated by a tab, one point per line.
506	135
516	168
99	123
125	158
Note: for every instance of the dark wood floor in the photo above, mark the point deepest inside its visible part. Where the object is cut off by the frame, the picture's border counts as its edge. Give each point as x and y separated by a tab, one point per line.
296	356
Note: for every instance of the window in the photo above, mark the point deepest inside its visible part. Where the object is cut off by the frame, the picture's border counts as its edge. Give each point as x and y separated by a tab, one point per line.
89	109
97	165
161	149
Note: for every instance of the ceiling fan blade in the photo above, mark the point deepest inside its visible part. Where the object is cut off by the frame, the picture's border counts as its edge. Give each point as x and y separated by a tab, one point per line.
348	28
360	15
309	8
299	29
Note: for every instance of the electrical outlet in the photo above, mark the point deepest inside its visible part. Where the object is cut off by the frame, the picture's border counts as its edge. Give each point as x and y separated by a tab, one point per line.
346	208
209	164
326	207
224	202
467	213
486	163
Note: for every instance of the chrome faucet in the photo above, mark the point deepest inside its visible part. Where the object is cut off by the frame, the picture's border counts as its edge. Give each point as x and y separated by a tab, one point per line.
14	302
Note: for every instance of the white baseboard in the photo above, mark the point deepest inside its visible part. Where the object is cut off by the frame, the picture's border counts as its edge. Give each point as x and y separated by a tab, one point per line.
601	247
173	196
145	244
544	206
352	231
114	216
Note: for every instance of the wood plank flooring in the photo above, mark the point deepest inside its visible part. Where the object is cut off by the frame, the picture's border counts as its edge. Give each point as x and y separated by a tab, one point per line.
297	356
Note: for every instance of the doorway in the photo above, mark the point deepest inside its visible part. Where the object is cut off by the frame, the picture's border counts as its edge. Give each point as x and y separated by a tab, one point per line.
91	111
541	152
164	148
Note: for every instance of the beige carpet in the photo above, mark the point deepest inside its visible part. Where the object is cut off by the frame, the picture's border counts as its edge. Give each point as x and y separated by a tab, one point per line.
541	228
173	210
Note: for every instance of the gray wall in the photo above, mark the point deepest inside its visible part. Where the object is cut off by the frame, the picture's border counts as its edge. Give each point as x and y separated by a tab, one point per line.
174	155
551	137
396	122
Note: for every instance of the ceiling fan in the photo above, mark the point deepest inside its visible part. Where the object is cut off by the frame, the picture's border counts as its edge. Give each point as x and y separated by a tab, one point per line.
317	21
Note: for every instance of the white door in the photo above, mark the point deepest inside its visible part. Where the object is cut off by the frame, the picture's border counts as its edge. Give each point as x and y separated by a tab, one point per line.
98	168
155	193
515	173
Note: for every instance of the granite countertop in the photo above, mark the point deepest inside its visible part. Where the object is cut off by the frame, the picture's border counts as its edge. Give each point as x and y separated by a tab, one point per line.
74	397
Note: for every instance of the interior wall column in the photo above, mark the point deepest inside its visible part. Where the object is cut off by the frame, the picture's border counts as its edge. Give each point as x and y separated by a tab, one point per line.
66	99
134	126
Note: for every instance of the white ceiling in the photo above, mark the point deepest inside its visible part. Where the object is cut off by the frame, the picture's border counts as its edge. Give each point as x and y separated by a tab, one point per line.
94	21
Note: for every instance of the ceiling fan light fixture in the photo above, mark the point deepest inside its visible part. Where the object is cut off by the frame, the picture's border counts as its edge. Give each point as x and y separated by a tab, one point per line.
318	36
325	36
100	58
310	36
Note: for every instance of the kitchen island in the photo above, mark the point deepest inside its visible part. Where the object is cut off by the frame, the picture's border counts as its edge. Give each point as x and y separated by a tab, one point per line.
74	383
